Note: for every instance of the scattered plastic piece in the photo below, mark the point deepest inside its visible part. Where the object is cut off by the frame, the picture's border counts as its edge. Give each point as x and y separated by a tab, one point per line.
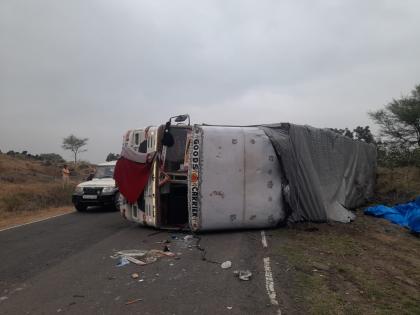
150	260
131	252
122	261
135	261
188	238
148	256
244	275
134	275
226	265
133	301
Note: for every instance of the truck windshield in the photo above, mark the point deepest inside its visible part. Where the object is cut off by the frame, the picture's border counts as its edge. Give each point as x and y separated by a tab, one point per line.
104	172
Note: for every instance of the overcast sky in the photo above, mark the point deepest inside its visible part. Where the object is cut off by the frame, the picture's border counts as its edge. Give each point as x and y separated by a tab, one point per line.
96	68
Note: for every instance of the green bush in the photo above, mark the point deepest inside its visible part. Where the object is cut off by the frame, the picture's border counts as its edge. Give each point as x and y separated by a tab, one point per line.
392	157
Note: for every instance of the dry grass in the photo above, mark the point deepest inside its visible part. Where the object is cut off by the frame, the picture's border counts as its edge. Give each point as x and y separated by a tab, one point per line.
19	170
34	196
397	185
369	266
26	170
28	188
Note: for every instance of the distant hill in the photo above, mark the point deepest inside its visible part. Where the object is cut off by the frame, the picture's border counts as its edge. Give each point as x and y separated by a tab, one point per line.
28	184
22	169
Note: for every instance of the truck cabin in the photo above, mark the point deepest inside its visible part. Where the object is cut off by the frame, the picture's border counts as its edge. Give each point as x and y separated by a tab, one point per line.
164	201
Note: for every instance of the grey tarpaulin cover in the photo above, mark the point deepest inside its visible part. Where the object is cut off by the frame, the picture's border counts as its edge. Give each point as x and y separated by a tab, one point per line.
326	172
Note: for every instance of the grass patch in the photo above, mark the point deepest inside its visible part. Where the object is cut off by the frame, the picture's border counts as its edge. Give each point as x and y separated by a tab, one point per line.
397	185
367	267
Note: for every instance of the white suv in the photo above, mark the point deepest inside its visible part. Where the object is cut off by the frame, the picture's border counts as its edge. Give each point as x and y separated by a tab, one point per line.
100	191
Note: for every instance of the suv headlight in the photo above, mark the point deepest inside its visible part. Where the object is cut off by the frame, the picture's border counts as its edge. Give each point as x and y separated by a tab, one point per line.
78	190
108	190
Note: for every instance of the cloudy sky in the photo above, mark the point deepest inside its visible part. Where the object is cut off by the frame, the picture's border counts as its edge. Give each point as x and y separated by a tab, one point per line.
96	68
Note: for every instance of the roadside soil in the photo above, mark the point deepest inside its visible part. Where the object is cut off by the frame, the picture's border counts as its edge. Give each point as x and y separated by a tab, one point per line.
369	266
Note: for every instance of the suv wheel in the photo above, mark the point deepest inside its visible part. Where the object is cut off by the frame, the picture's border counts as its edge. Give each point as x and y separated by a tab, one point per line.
80	207
117	201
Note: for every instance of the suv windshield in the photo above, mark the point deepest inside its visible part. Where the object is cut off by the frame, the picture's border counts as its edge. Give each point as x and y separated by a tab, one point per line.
104	172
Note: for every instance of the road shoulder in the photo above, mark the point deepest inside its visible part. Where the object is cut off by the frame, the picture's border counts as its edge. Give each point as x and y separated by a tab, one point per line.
14	219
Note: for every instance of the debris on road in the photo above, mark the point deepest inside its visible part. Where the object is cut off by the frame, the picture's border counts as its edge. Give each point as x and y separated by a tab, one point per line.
147	256
135	275
135	261
226	264
122	261
131	253
3	298
133	301
244	275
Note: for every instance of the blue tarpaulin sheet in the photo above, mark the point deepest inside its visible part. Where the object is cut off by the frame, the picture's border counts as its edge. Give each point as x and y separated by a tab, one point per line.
406	215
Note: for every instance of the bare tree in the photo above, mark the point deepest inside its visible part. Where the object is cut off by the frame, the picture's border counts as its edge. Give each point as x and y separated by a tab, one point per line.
400	120
74	144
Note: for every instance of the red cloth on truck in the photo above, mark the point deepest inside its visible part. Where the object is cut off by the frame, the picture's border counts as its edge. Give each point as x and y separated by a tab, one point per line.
131	178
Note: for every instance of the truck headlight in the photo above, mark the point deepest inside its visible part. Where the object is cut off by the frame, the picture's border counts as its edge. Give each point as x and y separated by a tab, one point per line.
78	190
108	190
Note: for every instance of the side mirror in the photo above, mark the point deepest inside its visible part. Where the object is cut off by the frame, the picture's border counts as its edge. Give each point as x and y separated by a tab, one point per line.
181	118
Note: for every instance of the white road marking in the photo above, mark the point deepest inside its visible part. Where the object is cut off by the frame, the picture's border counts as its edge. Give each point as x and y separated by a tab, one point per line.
269	281
263	239
40	220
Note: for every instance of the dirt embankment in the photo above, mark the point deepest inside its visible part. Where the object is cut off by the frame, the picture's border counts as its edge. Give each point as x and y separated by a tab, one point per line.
30	188
369	266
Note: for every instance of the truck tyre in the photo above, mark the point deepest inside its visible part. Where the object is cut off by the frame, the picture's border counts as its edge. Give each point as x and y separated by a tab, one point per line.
80	208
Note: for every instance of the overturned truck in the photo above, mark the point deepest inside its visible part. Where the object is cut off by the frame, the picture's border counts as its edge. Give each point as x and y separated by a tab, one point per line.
208	177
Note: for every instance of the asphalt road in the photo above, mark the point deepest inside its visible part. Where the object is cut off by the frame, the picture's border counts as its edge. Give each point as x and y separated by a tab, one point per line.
63	265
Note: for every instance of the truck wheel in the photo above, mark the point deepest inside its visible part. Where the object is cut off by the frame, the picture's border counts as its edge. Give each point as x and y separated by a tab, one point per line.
117	202
80	208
